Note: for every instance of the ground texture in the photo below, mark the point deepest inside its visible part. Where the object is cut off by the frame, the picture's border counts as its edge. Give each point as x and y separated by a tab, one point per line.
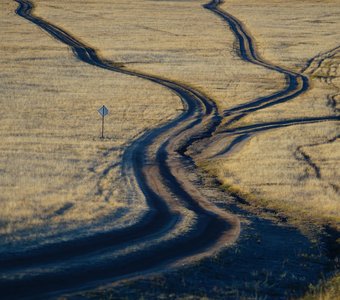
222	140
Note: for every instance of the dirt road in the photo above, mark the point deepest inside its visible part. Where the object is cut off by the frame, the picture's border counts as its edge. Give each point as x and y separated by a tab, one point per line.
156	164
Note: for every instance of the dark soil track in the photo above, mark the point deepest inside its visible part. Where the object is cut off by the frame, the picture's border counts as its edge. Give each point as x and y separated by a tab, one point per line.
211	227
86	262
296	84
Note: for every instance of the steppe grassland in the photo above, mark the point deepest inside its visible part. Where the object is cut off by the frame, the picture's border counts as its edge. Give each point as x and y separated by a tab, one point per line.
184	42
270	168
51	157
289	34
270	171
179	40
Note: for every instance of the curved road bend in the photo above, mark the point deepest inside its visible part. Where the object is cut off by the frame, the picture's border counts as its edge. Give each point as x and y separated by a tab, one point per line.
43	271
296	83
212	227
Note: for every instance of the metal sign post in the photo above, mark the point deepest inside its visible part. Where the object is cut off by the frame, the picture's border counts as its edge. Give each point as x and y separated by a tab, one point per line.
103	111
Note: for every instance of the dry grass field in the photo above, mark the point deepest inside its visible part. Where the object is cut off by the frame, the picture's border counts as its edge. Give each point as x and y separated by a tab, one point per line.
58	179
51	157
292	34
182	42
272	168
289	33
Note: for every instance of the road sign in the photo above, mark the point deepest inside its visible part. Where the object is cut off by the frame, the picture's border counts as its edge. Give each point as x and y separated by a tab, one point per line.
103	112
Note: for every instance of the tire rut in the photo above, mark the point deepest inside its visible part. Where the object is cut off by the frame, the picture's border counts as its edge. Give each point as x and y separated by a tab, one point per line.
161	177
211	230
296	84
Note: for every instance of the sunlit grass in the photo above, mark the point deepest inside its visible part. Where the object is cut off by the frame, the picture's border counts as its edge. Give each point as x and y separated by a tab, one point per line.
52	160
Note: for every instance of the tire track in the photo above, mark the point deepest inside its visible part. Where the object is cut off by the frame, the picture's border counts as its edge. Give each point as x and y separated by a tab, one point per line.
315	63
249	129
316	169
325	68
296	84
162	178
210	230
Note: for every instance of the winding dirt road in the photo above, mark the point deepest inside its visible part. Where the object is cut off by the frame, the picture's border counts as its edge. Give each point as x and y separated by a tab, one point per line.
296	84
161	176
158	240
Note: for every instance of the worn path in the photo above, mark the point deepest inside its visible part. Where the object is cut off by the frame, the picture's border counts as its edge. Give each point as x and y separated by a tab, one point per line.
159	239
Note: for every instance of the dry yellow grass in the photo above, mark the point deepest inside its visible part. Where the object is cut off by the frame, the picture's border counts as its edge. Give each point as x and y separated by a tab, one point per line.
51	157
328	290
290	32
270	167
52	161
179	40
